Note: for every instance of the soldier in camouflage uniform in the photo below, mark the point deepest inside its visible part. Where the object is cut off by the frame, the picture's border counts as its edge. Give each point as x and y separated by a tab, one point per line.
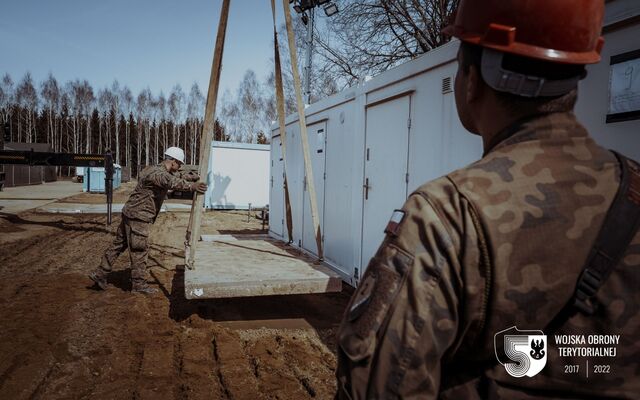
502	242
139	213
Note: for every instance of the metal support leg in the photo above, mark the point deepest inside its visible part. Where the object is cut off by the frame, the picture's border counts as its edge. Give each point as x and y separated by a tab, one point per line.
108	183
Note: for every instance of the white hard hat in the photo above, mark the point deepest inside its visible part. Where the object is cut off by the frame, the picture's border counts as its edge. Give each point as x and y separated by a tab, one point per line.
176	153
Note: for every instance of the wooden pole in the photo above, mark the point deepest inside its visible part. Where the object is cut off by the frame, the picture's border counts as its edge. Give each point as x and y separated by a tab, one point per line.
195	219
303	129
281	123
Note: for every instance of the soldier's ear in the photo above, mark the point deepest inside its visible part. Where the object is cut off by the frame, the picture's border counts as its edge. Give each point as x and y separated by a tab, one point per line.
473	84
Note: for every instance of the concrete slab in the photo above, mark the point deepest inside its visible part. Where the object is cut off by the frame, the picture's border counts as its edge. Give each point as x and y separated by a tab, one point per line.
21	198
254	265
46	191
79	208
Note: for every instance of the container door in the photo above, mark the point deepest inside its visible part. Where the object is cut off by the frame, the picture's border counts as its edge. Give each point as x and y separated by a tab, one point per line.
385	169
276	189
317	147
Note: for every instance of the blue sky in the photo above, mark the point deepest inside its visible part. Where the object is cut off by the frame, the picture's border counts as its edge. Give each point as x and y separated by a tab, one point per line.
154	43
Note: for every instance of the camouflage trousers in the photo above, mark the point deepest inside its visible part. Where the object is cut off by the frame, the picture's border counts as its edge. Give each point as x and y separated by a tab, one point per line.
134	235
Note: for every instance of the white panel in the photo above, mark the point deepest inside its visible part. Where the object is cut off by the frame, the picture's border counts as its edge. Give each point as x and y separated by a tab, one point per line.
317	134
237	177
276	197
387	141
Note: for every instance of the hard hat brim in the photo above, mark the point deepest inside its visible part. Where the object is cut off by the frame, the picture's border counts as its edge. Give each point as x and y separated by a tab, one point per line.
526	50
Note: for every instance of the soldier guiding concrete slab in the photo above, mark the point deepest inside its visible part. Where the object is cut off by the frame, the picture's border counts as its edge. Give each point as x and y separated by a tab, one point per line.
533	235
139	213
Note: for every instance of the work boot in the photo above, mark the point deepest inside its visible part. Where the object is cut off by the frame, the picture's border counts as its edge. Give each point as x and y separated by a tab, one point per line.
144	289
99	278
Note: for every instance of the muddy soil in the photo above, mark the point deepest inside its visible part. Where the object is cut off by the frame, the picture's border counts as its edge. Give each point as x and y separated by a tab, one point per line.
60	339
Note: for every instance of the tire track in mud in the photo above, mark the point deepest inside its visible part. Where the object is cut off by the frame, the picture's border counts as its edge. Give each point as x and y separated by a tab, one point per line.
119	345
287	368
42	250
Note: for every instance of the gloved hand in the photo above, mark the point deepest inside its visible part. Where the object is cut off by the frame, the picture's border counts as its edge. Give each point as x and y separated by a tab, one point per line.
199	187
191	177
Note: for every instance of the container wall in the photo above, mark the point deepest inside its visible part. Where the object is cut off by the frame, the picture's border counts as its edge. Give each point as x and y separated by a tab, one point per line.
238	176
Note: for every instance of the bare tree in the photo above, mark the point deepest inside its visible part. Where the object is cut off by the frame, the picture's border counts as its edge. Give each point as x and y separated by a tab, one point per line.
143	107
176	106
368	37
153	109
105	103
87	100
50	92
27	100
127	107
6	99
251	106
195	109
116	106
230	115
63	122
162	116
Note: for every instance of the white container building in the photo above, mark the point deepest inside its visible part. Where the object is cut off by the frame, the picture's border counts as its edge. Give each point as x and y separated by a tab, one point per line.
238	176
373	144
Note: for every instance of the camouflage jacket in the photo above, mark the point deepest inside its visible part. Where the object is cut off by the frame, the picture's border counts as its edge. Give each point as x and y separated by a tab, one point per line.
497	244
153	184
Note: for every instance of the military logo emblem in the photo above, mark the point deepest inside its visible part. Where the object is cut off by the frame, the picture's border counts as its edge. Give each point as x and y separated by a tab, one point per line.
521	352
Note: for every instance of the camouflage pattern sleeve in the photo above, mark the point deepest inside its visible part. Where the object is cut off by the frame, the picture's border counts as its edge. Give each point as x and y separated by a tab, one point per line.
169	181
403	322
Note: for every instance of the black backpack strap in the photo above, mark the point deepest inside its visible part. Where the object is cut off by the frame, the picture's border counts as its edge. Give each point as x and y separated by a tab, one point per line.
620	226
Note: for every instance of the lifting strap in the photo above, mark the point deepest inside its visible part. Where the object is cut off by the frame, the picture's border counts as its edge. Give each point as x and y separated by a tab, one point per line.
303	129
620	226
193	230
281	122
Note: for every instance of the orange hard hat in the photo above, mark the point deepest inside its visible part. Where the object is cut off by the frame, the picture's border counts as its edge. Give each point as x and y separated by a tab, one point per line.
562	31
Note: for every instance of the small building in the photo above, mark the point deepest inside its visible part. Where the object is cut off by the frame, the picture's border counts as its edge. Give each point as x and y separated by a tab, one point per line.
94	178
372	145
21	175
238	176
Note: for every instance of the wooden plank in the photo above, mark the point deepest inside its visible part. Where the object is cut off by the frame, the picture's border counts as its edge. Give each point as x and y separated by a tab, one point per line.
303	129
195	219
281	122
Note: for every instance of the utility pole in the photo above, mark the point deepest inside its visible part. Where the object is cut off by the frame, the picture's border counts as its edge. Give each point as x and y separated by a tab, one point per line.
301	7
308	67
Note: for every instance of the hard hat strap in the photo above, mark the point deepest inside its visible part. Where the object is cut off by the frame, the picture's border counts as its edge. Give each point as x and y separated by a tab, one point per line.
519	84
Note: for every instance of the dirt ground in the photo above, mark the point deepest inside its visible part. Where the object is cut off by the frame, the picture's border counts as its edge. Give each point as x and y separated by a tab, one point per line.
60	339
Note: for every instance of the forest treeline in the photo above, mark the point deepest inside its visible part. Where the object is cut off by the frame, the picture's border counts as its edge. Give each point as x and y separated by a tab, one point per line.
364	39
76	118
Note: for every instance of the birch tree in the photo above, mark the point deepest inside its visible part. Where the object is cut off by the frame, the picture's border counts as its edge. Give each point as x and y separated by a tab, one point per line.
50	92
161	104
176	107
6	100
27	100
116	108
195	109
128	107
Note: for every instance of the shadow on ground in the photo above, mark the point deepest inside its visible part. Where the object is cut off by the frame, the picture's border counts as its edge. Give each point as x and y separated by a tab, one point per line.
321	311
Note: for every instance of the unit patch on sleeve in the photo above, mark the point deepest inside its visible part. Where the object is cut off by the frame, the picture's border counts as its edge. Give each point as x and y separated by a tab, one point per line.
393	227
